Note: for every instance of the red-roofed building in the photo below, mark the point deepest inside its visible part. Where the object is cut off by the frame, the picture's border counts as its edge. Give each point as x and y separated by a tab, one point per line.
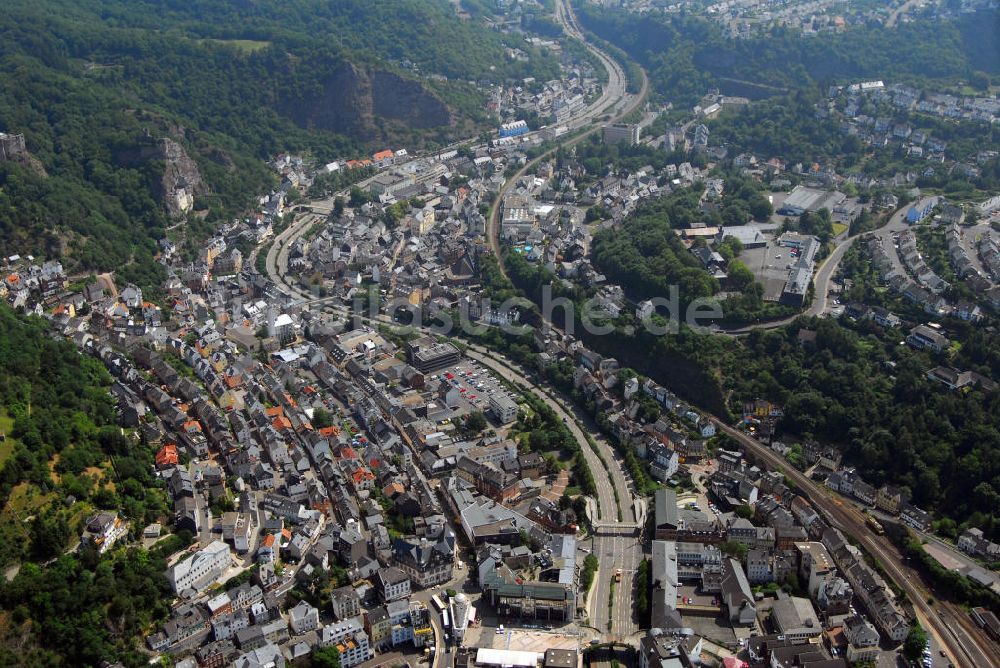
281	423
383	158
167	456
363	478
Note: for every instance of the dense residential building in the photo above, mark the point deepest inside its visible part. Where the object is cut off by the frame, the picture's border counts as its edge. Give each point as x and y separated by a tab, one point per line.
425	562
621	133
862	638
103	530
350	639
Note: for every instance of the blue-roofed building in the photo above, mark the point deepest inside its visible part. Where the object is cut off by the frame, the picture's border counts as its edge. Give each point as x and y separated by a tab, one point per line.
514	129
920	210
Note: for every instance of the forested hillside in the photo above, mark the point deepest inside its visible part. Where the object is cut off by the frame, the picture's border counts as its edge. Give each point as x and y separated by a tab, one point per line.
91	84
890	421
62	458
646	257
62	454
685	55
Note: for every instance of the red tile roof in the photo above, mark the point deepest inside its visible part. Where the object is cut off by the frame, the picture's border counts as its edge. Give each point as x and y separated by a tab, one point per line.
167	455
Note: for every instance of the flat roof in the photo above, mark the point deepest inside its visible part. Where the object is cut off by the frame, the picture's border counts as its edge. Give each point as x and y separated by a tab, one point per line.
748	235
812	199
506	657
560	658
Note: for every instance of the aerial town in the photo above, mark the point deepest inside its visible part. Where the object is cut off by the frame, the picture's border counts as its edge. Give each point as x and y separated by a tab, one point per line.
347	486
741	19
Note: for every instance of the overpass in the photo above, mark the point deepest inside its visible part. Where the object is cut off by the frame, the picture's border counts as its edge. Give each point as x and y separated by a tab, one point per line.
616	528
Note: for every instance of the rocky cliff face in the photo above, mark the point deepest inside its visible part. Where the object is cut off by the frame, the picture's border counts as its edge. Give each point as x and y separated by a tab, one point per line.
181	179
357	100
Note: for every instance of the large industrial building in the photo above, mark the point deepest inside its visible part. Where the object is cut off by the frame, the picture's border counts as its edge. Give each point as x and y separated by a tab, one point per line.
427	355
803	199
621	133
800	273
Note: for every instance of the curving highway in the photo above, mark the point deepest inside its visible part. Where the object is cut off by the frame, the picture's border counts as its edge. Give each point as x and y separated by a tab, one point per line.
615	621
615	99
949	624
615	501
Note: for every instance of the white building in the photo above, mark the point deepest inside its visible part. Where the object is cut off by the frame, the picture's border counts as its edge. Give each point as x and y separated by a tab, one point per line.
284	329
459	615
103	530
303	618
350	639
200	569
759	567
504	408
863	639
392	584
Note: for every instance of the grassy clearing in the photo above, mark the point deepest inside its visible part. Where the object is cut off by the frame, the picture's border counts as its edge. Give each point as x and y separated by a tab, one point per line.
25	500
244	46
6	446
839	228
52	469
102	472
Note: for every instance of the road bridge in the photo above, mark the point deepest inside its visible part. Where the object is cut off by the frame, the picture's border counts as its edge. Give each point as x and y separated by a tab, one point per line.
616	529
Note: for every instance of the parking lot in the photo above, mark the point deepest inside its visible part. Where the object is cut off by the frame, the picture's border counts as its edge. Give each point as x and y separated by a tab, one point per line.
770	265
475	384
689	594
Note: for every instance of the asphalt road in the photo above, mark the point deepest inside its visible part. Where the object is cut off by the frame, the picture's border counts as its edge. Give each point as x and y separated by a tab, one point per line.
614	99
512	373
970	237
895	14
620	613
607	477
950	626
608	473
277	263
616	552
